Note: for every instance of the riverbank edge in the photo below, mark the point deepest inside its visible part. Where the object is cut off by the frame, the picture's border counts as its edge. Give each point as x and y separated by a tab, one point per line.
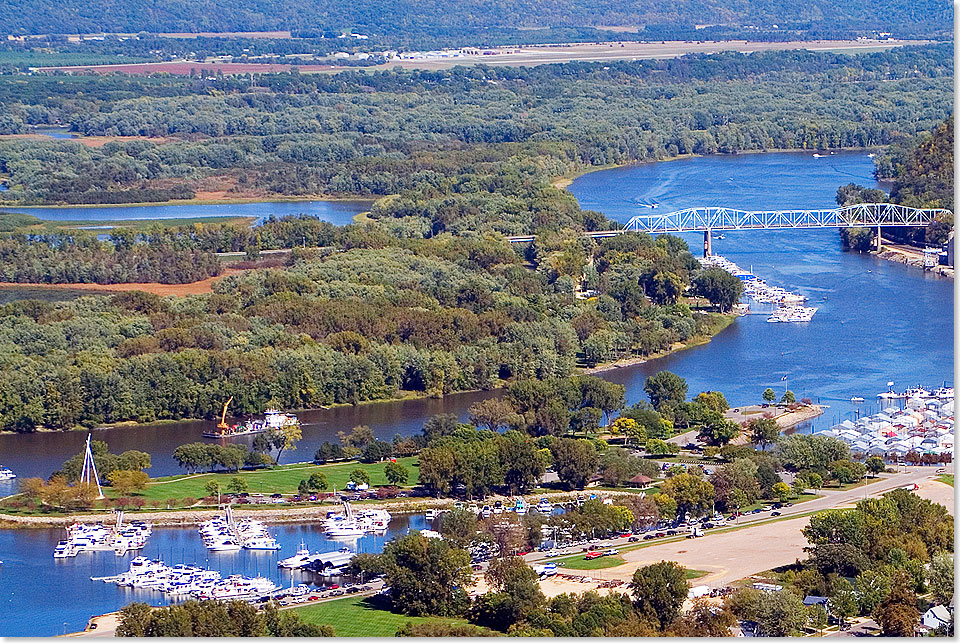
310	514
899	253
293	198
563	182
700	340
415	395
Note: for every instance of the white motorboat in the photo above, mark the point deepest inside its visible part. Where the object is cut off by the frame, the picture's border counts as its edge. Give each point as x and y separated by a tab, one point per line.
65	549
224	545
261	543
544	506
520	508
7	474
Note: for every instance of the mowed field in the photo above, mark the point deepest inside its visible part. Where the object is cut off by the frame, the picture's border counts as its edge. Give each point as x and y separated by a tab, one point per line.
528	55
281	479
361	617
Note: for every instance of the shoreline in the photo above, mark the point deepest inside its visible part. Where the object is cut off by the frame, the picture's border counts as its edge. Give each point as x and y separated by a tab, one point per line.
627	362
280	515
298	198
910	256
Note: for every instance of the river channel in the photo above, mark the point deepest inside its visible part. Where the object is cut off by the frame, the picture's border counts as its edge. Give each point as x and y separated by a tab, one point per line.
877	321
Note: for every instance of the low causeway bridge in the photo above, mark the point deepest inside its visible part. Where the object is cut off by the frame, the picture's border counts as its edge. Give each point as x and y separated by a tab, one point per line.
708	220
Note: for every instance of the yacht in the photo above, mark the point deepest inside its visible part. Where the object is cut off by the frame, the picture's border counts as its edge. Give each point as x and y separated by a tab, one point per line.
224	545
261	543
544	506
486	512
6	474
432	514
299	559
520	507
856	399
65	549
498	507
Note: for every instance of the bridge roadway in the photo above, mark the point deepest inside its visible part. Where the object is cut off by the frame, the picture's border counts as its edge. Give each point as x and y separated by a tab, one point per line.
706	220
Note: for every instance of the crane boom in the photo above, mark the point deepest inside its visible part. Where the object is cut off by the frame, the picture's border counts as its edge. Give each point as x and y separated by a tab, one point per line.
223	416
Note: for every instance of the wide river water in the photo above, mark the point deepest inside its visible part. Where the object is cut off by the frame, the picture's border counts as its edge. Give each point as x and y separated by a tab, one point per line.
877	321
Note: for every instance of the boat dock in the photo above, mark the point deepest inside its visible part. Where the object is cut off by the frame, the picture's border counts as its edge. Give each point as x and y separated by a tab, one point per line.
787	305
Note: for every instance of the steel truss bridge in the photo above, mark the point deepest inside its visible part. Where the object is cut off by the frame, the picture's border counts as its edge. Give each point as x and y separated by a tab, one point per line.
863	215
708	220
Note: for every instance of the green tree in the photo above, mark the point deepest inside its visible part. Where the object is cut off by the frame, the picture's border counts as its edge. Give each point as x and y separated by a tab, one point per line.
396	474
843	601
134	620
817	618
126	482
693	494
788	398
781	490
718	286
213	488
872	588
875	465
574	461
665	388
359	476
459	527
427	576
658	592
763	431
940	577
317	481
658	447
516	594
303	489
769	395
238	484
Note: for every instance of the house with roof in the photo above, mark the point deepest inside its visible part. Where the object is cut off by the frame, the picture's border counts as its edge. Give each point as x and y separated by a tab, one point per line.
936	616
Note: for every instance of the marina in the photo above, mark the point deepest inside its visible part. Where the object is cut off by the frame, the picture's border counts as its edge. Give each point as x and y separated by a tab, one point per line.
787	304
914	426
224	534
118	538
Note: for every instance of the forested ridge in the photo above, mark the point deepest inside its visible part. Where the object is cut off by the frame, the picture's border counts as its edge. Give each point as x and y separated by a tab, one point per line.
464	133
73	16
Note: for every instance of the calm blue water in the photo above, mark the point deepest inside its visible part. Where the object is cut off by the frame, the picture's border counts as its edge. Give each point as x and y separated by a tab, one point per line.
56	132
877	320
40	596
338	212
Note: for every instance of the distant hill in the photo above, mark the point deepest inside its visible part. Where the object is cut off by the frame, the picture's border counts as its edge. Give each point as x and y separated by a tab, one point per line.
903	17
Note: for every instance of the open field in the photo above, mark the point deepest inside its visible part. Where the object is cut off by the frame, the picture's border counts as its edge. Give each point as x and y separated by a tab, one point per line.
186	67
361	617
89	141
578	562
533	55
946	479
280	479
194	288
521	56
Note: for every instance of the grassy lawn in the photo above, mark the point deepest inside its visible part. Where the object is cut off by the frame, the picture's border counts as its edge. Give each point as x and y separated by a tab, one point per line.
766	503
695	573
279	479
361	617
578	562
946	479
852	485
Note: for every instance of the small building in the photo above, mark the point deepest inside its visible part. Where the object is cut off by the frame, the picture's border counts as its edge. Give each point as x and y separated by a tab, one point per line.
935	617
640	481
816	600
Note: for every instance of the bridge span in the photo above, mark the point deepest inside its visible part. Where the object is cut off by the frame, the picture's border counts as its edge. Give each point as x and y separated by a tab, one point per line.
709	219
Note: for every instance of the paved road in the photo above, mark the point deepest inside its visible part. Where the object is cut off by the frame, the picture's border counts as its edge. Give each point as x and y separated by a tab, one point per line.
766	543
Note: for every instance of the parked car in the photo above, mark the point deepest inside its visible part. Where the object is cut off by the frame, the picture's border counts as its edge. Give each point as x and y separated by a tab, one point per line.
775	513
593	554
633	539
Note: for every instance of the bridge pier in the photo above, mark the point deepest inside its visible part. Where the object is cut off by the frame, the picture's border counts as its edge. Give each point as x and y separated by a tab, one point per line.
879	240
707	243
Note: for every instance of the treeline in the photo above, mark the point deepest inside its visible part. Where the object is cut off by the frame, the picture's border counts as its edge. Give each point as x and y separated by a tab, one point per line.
367	16
488	138
347	323
214	619
920	169
78	257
